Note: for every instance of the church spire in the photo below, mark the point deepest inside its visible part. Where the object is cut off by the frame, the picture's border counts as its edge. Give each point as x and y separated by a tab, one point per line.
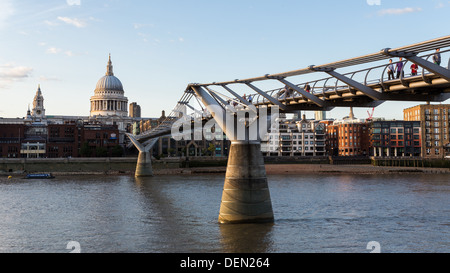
38	104
109	68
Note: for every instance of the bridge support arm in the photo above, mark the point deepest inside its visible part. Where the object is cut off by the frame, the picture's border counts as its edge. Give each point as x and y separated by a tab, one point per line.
436	69
244	101
267	96
217	111
144	164
361	87
302	92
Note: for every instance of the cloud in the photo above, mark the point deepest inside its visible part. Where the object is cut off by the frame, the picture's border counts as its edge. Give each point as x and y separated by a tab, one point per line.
398	11
138	25
10	73
73	2
73	21
53	50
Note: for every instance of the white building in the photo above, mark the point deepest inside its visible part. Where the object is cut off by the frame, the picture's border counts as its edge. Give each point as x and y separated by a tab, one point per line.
296	138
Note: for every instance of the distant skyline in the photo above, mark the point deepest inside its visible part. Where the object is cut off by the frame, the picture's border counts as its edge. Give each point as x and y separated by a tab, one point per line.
159	47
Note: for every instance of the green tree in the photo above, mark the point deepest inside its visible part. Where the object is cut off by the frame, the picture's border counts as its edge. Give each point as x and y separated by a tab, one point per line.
211	149
101	152
117	151
85	150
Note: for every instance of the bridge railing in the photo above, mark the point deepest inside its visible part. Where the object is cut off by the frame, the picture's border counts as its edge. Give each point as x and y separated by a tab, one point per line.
323	86
373	77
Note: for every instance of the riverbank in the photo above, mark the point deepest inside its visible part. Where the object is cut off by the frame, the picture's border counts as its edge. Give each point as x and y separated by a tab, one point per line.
298	169
207	165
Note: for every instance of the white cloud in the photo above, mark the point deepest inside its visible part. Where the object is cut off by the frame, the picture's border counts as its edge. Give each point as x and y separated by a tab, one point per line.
53	50
73	21
73	2
10	73
50	23
138	25
398	11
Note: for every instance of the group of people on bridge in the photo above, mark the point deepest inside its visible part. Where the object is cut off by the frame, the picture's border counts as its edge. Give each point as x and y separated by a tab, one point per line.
399	66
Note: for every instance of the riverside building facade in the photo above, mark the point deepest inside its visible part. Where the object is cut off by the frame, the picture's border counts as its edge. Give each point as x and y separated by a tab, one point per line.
435	128
395	138
296	138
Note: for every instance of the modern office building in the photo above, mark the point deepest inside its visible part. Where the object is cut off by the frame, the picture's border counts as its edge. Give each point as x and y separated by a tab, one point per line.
395	138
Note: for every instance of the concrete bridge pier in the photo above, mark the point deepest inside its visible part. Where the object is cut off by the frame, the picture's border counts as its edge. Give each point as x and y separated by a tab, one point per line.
246	195
144	164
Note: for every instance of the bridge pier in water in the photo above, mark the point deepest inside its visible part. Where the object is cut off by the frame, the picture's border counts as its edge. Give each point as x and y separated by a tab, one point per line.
144	165
246	195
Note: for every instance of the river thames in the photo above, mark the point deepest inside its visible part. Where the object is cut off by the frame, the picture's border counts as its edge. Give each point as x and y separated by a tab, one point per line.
327	213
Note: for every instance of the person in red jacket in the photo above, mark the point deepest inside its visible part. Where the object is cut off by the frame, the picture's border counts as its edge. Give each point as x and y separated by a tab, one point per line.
414	68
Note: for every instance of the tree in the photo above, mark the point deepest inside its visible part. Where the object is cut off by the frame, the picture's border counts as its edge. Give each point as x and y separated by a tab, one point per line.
85	150
101	152
117	151
211	149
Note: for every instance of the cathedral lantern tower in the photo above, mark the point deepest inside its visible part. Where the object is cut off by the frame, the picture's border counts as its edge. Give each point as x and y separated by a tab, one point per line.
38	105
109	97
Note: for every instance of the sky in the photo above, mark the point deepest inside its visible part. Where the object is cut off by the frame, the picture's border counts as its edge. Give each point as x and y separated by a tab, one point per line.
159	47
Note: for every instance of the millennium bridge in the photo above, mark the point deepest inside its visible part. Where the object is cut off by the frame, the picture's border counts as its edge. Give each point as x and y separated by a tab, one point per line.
357	82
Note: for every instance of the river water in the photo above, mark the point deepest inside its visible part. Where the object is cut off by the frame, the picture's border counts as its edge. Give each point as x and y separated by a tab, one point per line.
178	214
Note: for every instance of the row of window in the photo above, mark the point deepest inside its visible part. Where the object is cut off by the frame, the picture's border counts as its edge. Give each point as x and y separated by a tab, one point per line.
297	142
396	131
288	137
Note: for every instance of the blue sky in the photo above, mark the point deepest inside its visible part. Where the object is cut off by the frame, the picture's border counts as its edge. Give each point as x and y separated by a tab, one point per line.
159	47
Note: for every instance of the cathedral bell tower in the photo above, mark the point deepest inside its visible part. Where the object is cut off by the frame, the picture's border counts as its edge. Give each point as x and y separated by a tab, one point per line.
38	105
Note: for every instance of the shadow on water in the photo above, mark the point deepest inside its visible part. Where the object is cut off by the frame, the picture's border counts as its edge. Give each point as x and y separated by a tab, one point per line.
246	238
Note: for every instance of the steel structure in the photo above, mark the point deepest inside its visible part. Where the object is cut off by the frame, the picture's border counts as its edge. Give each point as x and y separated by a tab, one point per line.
337	90
246	196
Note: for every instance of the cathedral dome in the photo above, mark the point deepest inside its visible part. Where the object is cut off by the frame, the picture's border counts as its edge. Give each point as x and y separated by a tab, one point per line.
109	99
109	83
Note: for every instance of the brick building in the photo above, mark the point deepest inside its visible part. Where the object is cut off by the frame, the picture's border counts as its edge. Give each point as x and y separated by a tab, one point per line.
435	128
11	136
